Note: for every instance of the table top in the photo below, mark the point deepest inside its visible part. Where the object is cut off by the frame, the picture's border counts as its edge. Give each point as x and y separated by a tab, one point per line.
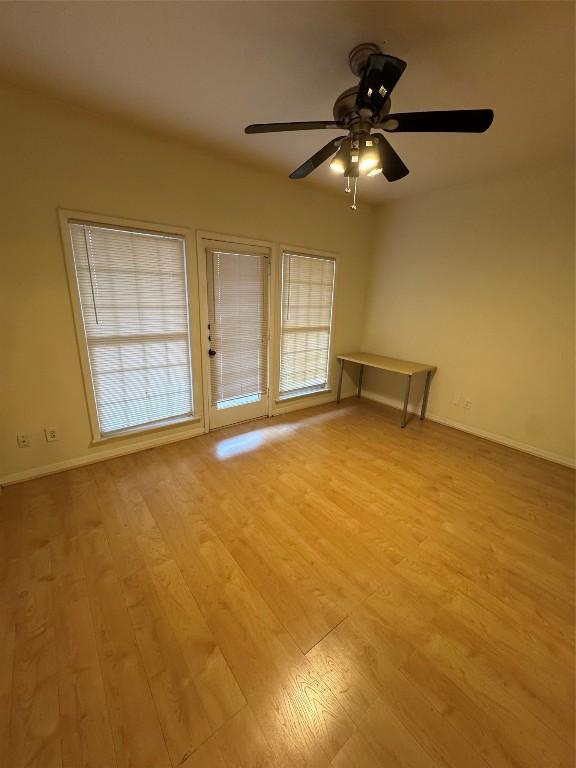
387	363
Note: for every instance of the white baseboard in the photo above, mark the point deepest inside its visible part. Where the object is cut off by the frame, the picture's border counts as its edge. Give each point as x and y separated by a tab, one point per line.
100	455
143	445
501	439
300	404
306	401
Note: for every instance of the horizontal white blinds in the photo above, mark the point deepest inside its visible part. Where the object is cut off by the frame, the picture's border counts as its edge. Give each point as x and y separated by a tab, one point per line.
134	300
238	302
307	298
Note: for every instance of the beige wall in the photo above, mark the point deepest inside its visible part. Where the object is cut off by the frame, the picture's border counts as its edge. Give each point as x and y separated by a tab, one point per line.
479	280
54	156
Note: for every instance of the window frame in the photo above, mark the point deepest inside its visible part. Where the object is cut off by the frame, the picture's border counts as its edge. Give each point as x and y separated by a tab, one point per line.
197	418
287	402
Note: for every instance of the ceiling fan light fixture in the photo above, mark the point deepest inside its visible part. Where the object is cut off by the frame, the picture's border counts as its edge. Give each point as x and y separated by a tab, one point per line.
367	164
370	158
341	159
337	165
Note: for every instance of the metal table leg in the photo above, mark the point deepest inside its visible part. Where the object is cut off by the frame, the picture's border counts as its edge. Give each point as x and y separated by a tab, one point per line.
406	398
425	398
341	363
360	377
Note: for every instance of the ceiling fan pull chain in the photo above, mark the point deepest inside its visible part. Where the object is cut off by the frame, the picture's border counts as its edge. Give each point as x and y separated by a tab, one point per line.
347	187
354	206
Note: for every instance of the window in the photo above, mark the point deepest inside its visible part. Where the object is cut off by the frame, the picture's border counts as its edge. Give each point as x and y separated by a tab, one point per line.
133	296
307	298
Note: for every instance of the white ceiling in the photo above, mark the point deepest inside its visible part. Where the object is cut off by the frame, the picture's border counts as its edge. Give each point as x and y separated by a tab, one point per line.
203	70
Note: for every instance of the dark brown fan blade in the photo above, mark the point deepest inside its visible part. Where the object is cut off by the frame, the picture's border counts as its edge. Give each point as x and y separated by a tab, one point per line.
312	125
378	81
313	162
450	121
392	166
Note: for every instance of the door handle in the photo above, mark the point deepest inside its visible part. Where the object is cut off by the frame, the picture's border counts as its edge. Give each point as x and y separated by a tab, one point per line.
211	352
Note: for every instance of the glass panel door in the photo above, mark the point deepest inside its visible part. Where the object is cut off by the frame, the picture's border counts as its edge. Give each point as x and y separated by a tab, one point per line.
238	328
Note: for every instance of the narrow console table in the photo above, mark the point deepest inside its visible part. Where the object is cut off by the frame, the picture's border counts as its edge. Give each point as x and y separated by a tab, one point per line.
392	365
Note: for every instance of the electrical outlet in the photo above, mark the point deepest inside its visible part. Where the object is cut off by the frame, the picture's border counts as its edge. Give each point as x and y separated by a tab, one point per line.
50	434
23	441
468	404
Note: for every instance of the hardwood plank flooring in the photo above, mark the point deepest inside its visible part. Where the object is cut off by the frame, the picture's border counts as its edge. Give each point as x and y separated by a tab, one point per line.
317	590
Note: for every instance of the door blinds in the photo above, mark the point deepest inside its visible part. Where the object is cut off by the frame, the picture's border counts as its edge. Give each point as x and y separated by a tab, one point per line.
134	301
238	304
307	298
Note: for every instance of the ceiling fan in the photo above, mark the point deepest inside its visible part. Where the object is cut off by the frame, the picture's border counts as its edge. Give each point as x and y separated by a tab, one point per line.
364	109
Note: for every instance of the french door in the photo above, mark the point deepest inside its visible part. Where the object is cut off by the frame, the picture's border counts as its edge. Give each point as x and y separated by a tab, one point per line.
238	327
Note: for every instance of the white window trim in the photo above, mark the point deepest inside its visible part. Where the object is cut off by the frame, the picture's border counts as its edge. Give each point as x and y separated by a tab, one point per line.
197	420
293	402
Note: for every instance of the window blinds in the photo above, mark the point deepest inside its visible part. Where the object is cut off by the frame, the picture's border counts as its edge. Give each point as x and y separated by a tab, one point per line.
238	308
134	301
307	298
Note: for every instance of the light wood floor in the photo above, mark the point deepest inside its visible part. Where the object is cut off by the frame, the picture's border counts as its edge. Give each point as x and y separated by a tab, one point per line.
322	589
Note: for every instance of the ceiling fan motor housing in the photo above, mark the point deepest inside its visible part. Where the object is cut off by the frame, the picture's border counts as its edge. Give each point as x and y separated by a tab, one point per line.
345	107
358	56
345	110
